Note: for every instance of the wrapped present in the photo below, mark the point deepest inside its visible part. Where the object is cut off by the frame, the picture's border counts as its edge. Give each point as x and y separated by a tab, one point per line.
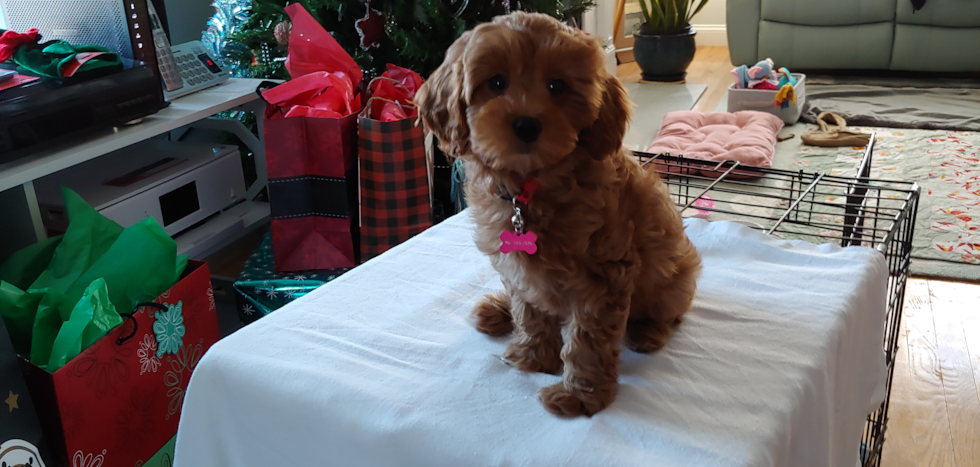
261	290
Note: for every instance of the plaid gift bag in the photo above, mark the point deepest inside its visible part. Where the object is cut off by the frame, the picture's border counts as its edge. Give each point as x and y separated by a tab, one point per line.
394	182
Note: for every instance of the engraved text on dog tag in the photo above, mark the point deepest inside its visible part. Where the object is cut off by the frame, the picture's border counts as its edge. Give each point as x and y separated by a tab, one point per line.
513	241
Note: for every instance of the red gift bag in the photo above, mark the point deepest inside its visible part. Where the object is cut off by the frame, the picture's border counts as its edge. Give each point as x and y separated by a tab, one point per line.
312	190
310	148
118	402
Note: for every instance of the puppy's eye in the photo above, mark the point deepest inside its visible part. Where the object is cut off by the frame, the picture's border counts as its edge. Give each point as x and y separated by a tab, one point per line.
556	87
497	84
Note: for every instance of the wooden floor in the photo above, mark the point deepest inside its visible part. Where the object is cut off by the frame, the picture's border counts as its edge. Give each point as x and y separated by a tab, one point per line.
711	67
934	418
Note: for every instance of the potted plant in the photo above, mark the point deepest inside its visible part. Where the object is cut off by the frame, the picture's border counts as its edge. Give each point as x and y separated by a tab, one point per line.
664	46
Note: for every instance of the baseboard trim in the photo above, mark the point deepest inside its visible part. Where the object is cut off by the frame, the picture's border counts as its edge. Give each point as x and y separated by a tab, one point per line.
711	34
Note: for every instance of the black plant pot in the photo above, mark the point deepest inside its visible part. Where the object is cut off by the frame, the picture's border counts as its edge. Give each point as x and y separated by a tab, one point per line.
664	55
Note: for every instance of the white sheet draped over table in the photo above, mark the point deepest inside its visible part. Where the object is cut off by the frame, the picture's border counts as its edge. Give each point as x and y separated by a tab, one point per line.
778	364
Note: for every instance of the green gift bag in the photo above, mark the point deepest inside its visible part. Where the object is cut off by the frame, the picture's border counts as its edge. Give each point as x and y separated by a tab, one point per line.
63	294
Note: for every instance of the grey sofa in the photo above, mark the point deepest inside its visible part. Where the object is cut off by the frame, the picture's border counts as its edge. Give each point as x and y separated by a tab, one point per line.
944	36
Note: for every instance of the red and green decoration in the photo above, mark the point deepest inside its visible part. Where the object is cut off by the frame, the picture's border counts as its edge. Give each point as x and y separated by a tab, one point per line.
411	33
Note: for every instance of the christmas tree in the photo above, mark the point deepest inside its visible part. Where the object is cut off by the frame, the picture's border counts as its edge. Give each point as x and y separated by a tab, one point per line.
251	35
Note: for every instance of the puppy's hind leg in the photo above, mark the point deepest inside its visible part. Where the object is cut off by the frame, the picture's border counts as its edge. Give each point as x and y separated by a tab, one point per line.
492	314
658	308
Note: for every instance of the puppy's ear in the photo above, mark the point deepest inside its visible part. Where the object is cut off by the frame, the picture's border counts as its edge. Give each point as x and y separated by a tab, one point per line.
605	136
441	102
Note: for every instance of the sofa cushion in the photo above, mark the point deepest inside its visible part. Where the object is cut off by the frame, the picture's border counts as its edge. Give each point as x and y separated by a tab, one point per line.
951	13
748	137
938	49
829	12
864	47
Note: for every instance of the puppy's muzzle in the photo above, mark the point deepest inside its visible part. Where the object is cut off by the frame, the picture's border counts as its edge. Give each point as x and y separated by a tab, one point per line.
527	129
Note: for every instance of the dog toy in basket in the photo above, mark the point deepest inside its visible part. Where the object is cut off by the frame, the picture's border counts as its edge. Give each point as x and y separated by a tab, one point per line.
787	89
759	76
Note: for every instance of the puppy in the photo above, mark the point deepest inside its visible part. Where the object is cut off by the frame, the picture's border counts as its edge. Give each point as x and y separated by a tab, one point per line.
525	102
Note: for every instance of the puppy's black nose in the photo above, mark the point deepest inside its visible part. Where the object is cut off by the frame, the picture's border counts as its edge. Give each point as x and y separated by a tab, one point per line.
527	129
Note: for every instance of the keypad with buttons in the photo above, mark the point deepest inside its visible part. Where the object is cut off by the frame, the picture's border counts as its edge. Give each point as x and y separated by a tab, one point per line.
197	69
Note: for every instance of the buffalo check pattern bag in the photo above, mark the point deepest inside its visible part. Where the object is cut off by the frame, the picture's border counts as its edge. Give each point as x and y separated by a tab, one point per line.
394	178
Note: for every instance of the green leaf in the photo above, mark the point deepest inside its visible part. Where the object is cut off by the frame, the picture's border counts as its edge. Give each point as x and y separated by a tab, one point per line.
646	12
698	9
657	9
682	8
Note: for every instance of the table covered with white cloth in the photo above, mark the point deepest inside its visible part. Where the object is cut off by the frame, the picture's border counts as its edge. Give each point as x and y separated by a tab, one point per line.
778	364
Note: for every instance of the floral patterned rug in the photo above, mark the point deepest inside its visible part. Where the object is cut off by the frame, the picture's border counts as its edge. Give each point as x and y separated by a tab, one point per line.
945	164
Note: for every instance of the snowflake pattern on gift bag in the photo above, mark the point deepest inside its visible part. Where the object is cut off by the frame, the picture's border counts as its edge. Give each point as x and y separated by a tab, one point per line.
186	360
102	374
149	362
81	459
260	289
169	328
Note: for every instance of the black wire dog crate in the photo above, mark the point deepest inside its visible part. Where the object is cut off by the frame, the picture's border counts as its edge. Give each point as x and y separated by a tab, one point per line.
819	208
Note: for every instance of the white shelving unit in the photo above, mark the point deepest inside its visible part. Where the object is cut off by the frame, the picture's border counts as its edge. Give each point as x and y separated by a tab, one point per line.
193	110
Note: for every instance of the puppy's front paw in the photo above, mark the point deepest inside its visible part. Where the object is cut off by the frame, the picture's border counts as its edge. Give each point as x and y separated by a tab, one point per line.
562	401
492	315
526	357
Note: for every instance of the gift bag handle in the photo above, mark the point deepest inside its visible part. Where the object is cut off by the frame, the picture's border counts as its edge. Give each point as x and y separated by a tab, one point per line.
386	78
263	87
366	111
376	98
123	339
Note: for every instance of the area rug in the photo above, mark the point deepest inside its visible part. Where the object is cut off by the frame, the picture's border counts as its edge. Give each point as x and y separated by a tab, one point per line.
945	164
896	107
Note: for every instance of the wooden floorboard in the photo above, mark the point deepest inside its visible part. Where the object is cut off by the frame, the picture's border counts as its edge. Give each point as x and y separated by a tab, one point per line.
899	438
962	407
934	416
930	421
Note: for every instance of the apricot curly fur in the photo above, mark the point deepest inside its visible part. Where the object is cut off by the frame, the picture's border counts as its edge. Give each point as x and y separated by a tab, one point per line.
613	263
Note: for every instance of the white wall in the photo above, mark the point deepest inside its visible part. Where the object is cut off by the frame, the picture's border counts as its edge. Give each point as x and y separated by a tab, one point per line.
710	24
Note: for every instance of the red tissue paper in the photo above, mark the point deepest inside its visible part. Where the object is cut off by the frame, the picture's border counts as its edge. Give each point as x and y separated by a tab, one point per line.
312	48
397	85
325	76
317	94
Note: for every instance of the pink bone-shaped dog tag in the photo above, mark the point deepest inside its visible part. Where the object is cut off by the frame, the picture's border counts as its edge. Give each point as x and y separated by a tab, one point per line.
513	241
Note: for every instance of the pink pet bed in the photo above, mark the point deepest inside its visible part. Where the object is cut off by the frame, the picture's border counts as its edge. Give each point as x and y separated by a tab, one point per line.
747	137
